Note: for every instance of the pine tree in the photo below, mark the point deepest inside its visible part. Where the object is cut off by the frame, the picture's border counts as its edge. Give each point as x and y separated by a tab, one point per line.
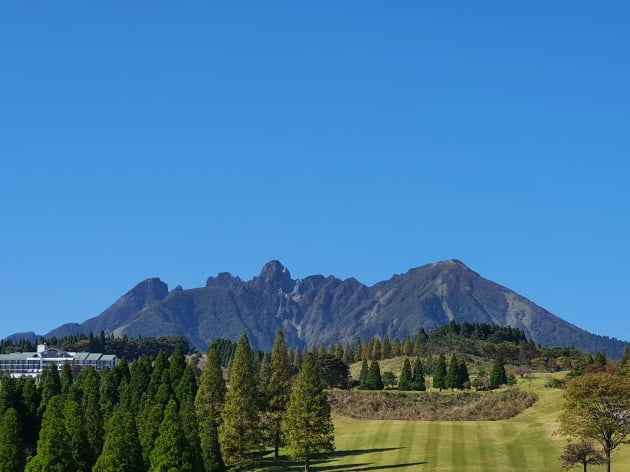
278	391
404	383
77	437
66	378
171	453
374	378
308	423
363	375
29	403
190	427
53	446
498	375
121	450
407	347
624	366
176	366
49	386
396	349
357	355
140	376
464	378
11	447
439	378
386	348
208	404
452	376
418	382
149	428
239	433
348	356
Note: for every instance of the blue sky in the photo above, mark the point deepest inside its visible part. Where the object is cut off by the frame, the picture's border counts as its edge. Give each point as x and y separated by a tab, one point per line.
359	139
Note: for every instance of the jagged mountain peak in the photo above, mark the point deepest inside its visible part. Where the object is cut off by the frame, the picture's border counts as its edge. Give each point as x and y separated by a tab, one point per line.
274	275
318	309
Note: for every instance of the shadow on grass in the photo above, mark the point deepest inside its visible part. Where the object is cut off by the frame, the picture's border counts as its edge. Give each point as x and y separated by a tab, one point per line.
325	465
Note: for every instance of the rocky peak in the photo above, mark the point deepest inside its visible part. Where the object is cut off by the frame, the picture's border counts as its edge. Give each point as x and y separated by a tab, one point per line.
276	275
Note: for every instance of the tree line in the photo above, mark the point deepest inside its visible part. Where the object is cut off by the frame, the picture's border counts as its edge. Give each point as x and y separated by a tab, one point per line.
157	416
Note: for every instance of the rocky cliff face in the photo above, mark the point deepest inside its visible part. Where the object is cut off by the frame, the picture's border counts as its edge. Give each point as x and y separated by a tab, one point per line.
320	309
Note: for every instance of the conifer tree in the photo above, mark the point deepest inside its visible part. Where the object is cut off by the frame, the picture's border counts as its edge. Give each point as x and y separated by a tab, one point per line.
53	446
239	433
358	352
624	366
348	356
375	352
363	375
498	375
386	348
464	378
452	375
77	437
419	342
418	382
374	378
27	410
149	428
176	366
121	450
308	423
140	376
9	395
208	403
278	391
404	383
407	347
297	358
11	447
49	386
171	453
190	428
396	349
439	377
66	378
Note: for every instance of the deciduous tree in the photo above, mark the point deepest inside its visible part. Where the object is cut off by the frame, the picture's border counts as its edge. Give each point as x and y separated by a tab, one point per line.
597	408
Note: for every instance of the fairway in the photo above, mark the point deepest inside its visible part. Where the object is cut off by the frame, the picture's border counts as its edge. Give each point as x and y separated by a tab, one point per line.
524	443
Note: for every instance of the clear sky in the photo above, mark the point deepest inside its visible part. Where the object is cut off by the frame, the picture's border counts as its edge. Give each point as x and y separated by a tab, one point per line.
359	139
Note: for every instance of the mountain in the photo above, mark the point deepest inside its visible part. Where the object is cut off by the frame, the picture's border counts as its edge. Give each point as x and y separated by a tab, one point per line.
320	309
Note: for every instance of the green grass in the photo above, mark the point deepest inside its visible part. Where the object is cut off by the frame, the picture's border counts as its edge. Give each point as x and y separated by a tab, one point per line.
524	443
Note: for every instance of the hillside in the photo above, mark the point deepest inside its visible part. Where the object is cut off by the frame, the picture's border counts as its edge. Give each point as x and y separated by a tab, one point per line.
320	309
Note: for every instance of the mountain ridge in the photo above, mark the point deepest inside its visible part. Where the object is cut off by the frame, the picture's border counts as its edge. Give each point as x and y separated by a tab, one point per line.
319	309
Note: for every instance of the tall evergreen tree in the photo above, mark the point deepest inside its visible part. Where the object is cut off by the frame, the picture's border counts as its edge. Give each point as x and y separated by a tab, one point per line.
624	366
278	391
418	383
12	457
49	386
53	446
363	375
374	378
176	366
439	377
239	433
308	424
404	383
121	451
171	453
208	404
464	378
190	427
149	428
386	348
498	375
29	403
140	376
452	375
66	378
77	437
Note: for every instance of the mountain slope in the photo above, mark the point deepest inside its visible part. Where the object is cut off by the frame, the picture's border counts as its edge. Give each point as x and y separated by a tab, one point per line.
320	309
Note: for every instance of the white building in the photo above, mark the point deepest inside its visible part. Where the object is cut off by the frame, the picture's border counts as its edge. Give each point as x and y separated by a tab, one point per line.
32	363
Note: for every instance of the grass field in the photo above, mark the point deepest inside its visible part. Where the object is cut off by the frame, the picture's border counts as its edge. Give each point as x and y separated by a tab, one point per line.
524	443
